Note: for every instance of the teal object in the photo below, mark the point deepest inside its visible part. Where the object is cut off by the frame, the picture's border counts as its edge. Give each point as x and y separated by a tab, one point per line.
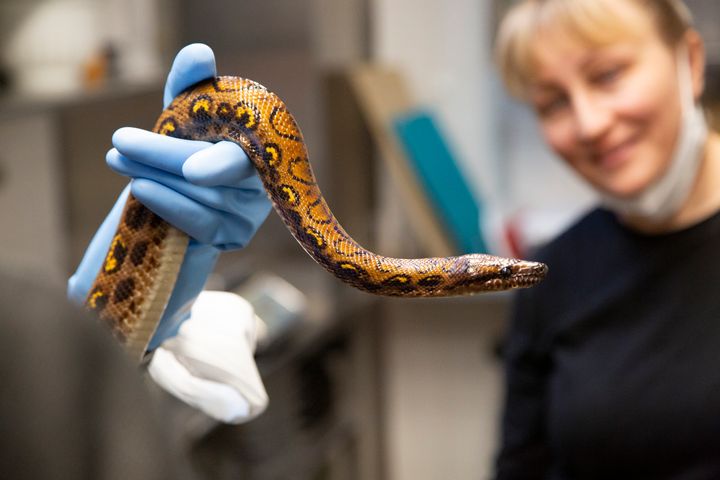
443	181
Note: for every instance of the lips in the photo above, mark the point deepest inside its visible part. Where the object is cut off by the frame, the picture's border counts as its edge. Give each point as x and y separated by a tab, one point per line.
615	156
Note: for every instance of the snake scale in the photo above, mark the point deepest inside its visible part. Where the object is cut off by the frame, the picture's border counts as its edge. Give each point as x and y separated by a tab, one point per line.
138	275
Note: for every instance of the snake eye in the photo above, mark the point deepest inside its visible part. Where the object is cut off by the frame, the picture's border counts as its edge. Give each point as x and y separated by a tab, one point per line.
506	272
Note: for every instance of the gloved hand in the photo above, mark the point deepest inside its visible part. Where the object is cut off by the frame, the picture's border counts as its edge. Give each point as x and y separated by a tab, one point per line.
209	364
210	191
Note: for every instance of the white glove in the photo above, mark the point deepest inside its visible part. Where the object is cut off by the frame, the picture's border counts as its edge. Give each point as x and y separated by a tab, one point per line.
210	363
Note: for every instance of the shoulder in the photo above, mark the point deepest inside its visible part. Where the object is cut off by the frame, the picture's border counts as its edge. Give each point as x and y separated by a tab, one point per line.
576	260
583	235
579	251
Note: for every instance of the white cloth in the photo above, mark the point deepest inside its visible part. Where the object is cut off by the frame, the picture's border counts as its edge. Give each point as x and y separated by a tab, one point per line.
210	363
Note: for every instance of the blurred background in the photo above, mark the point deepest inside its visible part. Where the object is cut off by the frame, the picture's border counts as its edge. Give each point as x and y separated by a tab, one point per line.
360	387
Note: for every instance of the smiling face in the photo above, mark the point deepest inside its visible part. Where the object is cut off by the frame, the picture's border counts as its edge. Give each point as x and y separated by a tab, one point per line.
611	111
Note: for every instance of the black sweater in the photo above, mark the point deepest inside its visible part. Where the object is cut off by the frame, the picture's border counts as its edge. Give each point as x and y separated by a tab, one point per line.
613	362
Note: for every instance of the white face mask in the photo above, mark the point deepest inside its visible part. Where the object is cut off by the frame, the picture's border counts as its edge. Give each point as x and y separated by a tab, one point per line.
666	195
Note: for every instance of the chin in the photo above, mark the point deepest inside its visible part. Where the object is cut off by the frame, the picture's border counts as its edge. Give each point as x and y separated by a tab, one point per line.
624	192
624	186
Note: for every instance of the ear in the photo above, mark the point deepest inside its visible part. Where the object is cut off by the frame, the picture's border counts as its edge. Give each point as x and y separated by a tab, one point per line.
696	53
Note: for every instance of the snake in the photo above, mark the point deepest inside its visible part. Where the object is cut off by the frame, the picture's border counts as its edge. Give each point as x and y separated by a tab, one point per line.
138	274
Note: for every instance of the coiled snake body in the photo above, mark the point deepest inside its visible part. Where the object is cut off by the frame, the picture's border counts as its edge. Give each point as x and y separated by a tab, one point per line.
138	275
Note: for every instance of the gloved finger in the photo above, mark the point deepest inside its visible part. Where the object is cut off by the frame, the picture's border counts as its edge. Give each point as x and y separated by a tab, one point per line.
222	164
192	64
230	200
207	225
203	163
155	150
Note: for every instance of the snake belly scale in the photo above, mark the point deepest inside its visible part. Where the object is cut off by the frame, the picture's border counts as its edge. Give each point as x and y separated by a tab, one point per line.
134	284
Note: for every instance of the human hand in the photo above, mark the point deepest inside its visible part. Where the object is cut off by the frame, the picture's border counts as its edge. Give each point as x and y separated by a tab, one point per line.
210	191
210	363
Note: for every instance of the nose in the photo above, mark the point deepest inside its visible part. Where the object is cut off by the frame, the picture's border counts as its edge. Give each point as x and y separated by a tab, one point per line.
592	117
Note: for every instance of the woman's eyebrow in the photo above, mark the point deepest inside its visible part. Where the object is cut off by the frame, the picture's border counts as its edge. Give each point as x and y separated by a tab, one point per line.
600	55
544	87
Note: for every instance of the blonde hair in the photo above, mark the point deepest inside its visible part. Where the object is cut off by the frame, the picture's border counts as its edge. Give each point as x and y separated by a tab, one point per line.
597	22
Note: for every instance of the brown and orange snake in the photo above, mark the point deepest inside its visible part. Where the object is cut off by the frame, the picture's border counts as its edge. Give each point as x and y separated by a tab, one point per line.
138	275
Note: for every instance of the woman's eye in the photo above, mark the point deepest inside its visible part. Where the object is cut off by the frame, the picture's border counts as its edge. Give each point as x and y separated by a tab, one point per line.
551	107
608	76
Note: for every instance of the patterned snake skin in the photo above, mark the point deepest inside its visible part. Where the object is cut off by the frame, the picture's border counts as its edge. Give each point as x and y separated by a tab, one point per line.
140	269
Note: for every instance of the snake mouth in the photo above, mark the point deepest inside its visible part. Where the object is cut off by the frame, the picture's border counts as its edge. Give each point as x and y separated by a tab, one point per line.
526	274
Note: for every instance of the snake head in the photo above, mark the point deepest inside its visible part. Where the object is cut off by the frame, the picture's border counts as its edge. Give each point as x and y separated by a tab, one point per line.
490	273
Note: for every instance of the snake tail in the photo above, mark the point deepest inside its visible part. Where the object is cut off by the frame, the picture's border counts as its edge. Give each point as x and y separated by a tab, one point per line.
138	276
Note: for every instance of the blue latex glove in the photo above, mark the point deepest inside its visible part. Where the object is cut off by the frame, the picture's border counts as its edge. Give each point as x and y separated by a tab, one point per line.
210	191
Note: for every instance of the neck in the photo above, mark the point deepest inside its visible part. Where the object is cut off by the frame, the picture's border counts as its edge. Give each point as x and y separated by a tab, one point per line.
703	201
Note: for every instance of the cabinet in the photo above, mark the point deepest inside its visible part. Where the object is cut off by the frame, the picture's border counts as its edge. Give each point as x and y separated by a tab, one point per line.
31	213
55	187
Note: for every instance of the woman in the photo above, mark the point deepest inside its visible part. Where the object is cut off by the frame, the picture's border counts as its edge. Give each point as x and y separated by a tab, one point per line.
613	363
